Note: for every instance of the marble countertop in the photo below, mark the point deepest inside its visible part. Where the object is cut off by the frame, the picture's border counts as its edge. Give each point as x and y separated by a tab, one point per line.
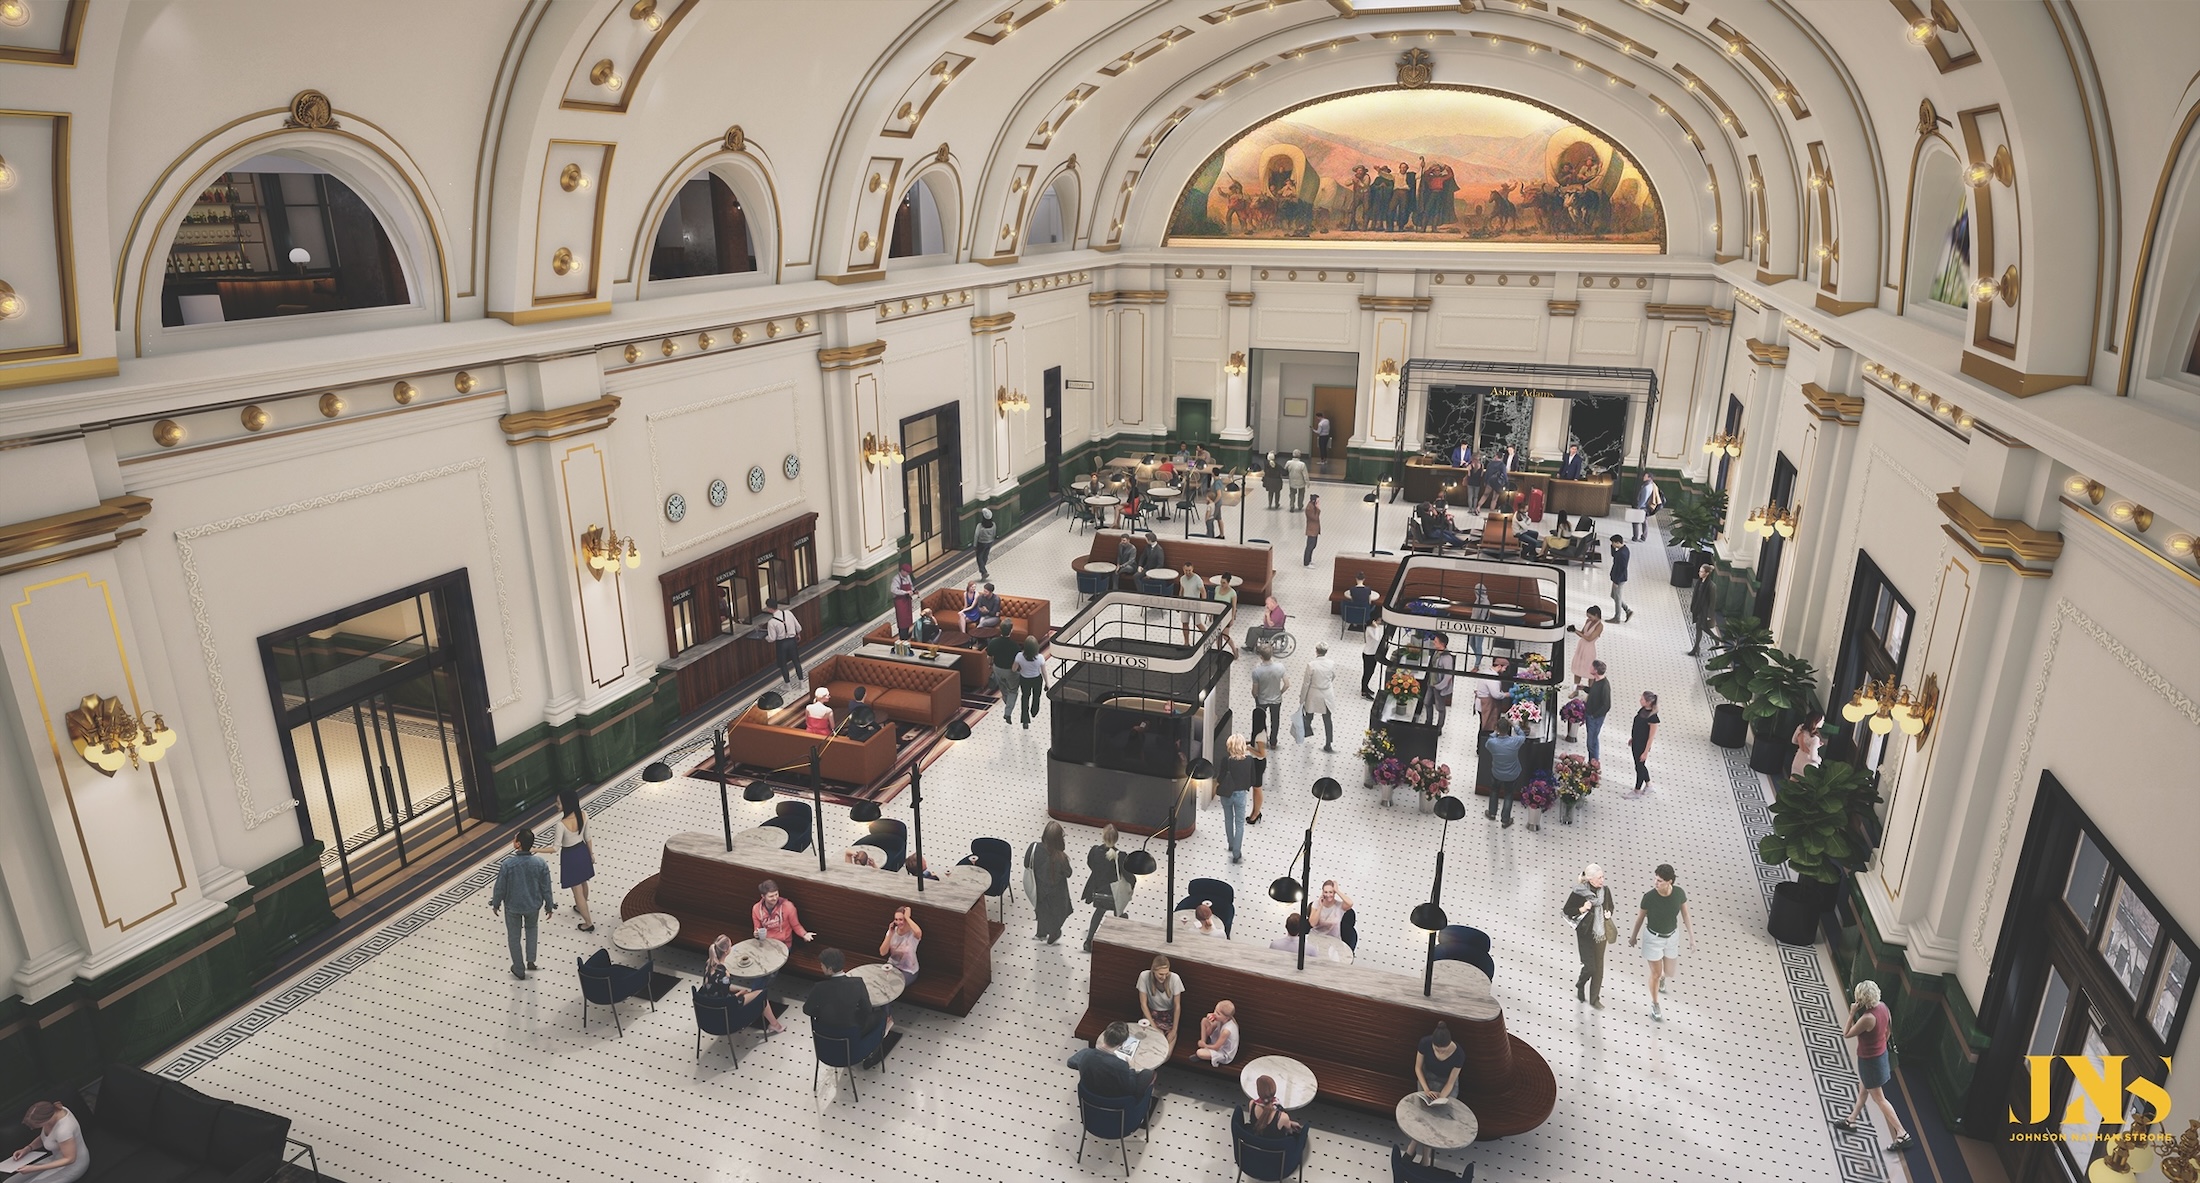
800	866
1464	994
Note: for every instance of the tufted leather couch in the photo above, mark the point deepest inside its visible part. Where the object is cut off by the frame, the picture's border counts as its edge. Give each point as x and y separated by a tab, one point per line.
896	690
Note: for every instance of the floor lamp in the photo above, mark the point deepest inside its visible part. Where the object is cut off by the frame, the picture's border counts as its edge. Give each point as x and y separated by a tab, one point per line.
1375	530
1288	890
1429	917
1140	861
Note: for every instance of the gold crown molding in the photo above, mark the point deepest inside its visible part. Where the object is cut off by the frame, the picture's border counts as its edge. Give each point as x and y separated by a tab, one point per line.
531	427
1767	355
108	517
980	325
855	277
1563	307
1096	299
529	316
1981	532
1831	306
2012	381
659	37
59	371
72	34
1395	303
1844	409
850	357
2086	514
1702	312
1239	299
999	260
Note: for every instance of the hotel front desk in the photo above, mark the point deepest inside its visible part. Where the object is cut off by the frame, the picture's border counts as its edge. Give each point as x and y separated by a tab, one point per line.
1428	480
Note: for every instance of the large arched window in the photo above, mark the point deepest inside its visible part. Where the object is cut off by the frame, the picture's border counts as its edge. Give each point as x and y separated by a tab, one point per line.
704	232
1054	217
922	221
278	236
1938	271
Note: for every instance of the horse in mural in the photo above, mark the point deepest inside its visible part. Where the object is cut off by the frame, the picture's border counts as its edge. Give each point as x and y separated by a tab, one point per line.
1504	215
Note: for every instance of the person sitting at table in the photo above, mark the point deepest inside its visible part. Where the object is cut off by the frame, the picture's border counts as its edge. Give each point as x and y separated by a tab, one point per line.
1128	511
1329	910
1264	1115
818	716
1218	1035
1104	1071
1126	560
1294	926
1207	924
927	629
775	917
718	987
1436	1066
1203	458
862	719
841	1002
1157	991
989	608
899	947
1153	557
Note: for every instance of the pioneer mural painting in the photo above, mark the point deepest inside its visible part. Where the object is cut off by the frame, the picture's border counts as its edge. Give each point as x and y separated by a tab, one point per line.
1434	165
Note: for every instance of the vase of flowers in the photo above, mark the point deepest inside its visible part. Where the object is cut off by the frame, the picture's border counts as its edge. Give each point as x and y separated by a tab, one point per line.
1575	710
1387	774
1576	779
1526	715
1404	690
1375	747
1538	795
1428	780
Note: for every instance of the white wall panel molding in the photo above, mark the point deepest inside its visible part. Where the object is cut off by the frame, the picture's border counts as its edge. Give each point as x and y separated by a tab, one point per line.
730	421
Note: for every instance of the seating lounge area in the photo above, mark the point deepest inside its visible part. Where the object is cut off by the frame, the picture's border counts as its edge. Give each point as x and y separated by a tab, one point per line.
1026	617
1254	565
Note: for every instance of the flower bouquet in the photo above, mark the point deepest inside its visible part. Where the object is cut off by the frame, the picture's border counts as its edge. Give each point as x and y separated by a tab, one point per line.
1527	715
1428	779
1375	747
1533	668
1538	795
1577	778
1404	690
1572	713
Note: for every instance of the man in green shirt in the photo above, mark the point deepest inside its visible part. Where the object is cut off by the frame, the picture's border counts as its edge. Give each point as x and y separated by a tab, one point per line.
1665	909
1003	650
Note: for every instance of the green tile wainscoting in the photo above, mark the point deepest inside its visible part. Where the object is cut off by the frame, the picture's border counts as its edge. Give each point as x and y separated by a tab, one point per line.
533	766
158	998
1936	1034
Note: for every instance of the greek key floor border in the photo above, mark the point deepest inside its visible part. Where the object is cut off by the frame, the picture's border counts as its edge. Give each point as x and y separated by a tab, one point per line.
1832	1070
321	977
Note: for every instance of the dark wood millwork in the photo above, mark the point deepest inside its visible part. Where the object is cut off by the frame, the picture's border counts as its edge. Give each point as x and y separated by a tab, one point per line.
714	607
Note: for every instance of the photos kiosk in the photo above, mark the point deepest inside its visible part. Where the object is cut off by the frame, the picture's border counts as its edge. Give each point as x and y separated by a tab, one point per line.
1434	595
1141	689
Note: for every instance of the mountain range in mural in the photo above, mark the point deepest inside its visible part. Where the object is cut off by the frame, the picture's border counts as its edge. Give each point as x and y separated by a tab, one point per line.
1426	166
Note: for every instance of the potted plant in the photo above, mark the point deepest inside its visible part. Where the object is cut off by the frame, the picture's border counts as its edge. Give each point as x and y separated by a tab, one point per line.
1387	774
1781	693
1577	778
1538	795
1428	780
1745	649
1695	527
1813	832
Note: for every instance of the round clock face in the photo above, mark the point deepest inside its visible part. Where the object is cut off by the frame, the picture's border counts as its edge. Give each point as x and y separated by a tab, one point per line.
756	479
676	507
717	493
792	466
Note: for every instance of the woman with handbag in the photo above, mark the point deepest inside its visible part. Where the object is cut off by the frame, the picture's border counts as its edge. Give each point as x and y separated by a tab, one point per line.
1102	882
1046	881
1589	906
1871	1025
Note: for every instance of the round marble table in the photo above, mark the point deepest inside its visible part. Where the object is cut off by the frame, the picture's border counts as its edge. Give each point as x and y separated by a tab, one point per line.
1448	1126
883	982
646	933
762	838
1158	581
1101	505
1153	1047
755	959
1294	1081
1124	462
1232	580
1163	497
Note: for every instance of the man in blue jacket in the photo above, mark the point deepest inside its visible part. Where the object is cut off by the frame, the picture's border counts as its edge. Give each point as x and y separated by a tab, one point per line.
523	881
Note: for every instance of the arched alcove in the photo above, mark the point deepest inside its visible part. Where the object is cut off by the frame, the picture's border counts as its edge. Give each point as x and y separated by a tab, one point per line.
1053	222
2165	354
925	219
1937	272
716	229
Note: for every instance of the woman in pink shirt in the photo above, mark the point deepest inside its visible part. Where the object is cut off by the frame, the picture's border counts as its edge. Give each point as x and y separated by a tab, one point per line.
775	916
818	716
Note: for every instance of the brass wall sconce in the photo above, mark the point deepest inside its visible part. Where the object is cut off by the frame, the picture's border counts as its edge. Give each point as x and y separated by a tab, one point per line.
1722	442
11	305
1006	400
109	737
2005	287
2000	168
7	175
562	261
1829	252
604	550
2137	516
1387	373
403	393
1885	706
572	178
1817	180
646	12
2091	490
1769	520
878	451
606	75
1235	367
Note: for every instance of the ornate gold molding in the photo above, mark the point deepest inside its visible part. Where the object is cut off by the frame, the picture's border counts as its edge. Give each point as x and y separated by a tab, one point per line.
1239	299
1702	312
1563	307
2008	542
1828	304
1767	355
1395	303
981	325
528	316
2012	381
108	517
1828	407
59	371
534	427
1096	299
311	110
855	277
850	357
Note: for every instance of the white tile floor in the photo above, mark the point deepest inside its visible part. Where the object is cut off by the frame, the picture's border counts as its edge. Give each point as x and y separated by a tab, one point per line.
414	1055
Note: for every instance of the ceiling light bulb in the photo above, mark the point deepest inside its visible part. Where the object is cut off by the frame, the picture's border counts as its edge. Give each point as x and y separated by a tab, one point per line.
2180	544
1922	30
7	174
11	305
300	255
603	74
1984	289
2122	511
1780	94
2075	485
646	12
1734	49
14	13
1977	175
1881	724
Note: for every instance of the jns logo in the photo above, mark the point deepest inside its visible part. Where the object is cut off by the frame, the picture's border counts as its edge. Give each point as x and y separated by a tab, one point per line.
2100	1084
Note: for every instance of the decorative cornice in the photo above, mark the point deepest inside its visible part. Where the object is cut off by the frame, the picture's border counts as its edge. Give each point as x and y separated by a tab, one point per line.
1240	299
108	517
1098	299
1000	260
1767	355
1770	277
1827	304
2008	542
854	277
534	427
1702	312
1395	303
1844	409
2012	381
1562	307
981	325
850	357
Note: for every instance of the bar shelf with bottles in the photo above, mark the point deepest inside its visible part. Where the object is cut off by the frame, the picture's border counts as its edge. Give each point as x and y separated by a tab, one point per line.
224	232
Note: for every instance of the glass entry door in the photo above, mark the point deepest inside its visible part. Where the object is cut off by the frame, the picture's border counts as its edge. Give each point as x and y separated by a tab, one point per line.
377	736
931	475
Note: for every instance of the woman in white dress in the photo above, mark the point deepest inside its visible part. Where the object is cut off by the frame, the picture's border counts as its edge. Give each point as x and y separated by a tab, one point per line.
1807	738
67	1158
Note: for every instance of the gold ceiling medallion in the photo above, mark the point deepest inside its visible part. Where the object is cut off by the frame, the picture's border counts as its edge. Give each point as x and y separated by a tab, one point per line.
572	178
404	393
1413	68
736	140
108	736
167	433
1927	117
561	261
310	109
331	405
253	418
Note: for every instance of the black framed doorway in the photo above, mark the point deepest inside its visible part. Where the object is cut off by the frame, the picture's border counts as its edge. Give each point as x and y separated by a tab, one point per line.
1770	551
382	711
931	476
1051	411
1875	637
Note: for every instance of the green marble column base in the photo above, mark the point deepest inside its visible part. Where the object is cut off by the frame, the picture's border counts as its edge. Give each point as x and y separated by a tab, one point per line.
533	766
1936	1034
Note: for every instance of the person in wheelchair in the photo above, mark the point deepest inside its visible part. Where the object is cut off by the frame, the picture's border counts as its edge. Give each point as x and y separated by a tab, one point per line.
1271	626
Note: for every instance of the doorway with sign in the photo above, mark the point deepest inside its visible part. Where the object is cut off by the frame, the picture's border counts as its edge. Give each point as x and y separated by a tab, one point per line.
931	482
1340	405
383	720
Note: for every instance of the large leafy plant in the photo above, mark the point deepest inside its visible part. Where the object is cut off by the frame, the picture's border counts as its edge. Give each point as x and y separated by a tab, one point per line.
1812	818
1784	688
1744	648
1696	521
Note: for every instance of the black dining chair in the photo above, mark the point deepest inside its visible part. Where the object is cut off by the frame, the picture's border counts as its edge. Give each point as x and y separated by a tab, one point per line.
1112	1118
994	856
1457	942
891	838
1349	930
843	1049
1404	1170
794	818
607	983
722	1015
1214	891
1267	1157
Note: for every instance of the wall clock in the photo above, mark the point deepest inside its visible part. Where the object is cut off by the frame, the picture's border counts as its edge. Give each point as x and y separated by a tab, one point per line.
792	466
717	493
756	479
676	507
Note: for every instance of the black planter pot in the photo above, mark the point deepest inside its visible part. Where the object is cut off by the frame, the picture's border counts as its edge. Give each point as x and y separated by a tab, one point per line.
1728	728
1684	573
1795	912
1771	755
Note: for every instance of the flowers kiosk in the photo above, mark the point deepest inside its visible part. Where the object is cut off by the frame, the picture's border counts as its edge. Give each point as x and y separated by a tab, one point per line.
1514	643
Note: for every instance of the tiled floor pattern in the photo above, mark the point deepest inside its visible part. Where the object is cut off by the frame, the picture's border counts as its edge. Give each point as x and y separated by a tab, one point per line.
414	1055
